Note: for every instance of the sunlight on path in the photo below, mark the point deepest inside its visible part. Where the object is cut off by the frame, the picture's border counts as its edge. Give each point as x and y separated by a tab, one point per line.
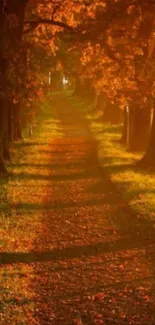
73	252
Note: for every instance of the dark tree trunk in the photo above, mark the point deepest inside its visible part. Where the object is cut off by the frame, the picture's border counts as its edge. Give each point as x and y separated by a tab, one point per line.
88	90
100	103
3	169
112	114
16	7
3	29
124	137
17	122
10	122
6	149
2	164
78	87
6	142
148	160
139	127
10	37
83	88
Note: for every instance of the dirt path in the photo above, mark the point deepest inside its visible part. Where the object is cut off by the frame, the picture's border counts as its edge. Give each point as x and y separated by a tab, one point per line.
76	253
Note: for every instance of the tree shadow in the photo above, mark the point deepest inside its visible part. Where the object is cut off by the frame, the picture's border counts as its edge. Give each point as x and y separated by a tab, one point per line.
74	252
110	128
62	152
107	162
60	165
118	168
62	177
58	205
23	144
136	234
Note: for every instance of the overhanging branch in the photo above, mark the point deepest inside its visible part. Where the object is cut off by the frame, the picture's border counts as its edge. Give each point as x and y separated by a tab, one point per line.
35	23
32	27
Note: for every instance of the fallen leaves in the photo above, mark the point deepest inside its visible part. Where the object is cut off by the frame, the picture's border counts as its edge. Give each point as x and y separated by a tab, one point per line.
71	261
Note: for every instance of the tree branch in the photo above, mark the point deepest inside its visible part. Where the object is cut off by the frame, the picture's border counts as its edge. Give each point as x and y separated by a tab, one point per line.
35	23
33	26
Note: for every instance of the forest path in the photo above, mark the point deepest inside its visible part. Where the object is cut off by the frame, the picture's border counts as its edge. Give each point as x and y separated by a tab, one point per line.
76	253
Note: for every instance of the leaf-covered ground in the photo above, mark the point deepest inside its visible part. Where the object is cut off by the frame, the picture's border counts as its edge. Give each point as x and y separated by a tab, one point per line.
72	250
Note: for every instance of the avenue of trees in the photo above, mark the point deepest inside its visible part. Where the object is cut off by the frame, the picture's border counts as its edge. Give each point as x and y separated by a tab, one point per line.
108	46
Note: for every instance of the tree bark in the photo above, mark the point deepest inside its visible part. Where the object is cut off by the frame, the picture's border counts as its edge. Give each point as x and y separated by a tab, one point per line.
78	87
148	160
6	142
10	39
17	122
112	114
16	7
2	164
3	29
125	126
139	127
3	169
100	103
10	122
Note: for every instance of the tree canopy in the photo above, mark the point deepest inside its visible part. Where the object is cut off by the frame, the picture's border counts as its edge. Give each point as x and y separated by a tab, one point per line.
110	43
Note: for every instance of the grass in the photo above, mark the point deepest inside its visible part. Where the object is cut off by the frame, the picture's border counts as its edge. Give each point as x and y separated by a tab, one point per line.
70	253
20	226
26	170
137	186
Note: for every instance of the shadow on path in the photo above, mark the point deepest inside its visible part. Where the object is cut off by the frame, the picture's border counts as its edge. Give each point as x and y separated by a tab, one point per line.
95	258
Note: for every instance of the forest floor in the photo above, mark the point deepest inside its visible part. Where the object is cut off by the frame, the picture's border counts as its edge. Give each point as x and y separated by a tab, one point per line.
72	250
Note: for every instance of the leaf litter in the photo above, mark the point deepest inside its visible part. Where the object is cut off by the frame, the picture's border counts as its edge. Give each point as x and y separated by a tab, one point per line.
71	253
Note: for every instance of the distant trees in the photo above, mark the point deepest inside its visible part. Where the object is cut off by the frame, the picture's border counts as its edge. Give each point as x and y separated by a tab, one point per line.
108	46
118	52
28	29
11	26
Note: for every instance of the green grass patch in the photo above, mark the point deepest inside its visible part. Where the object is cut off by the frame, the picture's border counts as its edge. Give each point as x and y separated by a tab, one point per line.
18	189
21	204
137	186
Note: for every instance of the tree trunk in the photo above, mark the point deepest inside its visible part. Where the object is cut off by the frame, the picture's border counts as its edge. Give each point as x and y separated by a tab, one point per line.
78	87
3	169
100	103
2	164
139	127
16	7
10	39
87	89
148	160
3	30
125	126
6	149
10	122
6	142
17	122
111	113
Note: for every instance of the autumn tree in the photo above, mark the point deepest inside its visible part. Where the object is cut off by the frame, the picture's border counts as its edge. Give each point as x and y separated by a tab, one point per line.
111	46
119	46
43	21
